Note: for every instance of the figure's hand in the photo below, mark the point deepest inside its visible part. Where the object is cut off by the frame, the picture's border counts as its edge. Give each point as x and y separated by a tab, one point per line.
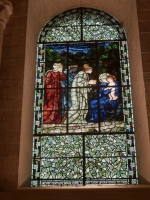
92	82
60	69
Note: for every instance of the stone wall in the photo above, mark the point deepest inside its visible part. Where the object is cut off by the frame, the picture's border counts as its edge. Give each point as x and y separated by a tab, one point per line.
143	10
11	91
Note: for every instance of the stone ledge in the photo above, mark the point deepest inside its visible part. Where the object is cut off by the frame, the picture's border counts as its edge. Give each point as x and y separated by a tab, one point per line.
138	192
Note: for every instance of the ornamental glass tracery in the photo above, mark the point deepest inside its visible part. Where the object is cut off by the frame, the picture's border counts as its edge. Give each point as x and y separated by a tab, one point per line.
83	117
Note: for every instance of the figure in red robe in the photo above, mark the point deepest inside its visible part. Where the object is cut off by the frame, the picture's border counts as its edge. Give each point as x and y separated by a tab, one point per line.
52	97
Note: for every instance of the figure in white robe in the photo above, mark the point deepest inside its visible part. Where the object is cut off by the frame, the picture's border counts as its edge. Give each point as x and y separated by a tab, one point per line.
79	96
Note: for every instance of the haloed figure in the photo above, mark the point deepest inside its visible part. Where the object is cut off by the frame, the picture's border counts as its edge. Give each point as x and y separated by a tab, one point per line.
107	99
112	87
52	95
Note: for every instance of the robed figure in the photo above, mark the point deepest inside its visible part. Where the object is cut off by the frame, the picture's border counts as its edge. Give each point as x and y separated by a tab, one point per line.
79	96
66	94
105	103
52	95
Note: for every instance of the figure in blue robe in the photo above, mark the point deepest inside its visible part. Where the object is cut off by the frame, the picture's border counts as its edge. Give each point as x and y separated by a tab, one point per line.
66	93
103	104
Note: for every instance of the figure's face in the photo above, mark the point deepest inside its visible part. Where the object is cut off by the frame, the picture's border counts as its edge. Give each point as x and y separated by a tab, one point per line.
110	80
60	69
104	80
73	70
103	77
89	71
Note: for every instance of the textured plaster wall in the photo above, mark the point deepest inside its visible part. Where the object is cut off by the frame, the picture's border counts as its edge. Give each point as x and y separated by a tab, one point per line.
17	75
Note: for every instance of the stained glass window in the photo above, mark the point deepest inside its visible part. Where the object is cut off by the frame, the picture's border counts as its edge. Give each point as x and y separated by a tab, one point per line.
83	117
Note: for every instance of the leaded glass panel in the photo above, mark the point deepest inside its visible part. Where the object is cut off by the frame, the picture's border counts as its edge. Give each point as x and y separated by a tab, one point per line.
83	115
82	24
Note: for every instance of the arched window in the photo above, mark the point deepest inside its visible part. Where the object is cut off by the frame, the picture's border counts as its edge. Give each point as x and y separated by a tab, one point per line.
83	117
